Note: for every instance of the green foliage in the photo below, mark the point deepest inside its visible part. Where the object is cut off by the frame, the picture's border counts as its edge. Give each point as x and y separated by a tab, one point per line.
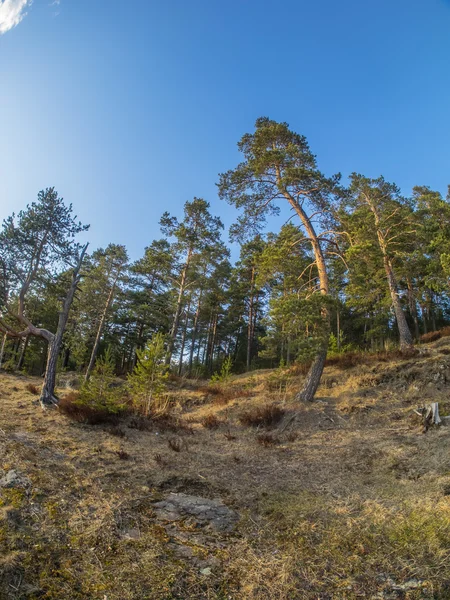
100	391
225	372
334	348
148	380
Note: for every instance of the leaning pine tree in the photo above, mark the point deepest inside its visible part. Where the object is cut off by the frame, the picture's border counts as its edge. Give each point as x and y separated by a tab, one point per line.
147	382
279	165
35	247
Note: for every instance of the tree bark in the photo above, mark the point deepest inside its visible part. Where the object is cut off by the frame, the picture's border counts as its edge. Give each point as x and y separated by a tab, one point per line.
406	340
413	308
183	340
176	320
22	352
314	375
250	321
55	341
2	349
194	333
101	325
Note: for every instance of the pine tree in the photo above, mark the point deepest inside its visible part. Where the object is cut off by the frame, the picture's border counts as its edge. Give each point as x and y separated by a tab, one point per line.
148	381
279	166
99	392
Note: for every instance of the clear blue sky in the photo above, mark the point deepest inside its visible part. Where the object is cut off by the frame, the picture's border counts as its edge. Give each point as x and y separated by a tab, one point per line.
132	108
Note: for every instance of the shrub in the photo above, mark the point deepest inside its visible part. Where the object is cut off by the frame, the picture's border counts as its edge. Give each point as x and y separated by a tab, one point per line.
162	422
267	439
223	395
122	454
210	422
225	371
71	406
33	389
117	431
427	338
148	380
99	392
445	331
262	416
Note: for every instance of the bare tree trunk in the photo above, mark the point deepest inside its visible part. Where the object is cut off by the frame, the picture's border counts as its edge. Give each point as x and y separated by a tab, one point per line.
314	375
55	340
2	349
406	340
338	330
176	319
250	322
101	327
194	332
183	339
22	352
413	308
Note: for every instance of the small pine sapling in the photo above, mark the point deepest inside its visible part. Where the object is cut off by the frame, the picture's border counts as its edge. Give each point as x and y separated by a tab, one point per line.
99	392
225	372
148	380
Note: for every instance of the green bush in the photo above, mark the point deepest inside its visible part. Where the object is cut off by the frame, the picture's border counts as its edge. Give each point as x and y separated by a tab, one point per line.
99	392
147	383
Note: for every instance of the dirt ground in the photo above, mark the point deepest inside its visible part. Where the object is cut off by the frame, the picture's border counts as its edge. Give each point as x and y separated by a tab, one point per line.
349	500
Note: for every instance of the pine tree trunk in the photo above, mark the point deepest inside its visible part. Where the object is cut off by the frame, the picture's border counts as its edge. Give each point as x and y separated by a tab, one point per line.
213	343
55	340
2	349
101	326
66	358
314	375
413	308
183	339
176	319
194	332
22	353
250	322
406	341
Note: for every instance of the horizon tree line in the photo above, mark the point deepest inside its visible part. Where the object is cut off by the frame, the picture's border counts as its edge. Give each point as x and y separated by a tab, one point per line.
356	267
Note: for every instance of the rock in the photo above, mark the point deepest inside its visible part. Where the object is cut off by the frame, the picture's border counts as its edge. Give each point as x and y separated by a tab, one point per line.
201	511
131	534
12	479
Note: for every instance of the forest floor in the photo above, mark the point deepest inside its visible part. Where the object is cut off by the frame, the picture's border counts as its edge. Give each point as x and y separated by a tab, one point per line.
350	500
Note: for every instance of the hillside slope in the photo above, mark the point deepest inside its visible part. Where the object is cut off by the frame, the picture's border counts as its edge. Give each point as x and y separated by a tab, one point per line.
350	500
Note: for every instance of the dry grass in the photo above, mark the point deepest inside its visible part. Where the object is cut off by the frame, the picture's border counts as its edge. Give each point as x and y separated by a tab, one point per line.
262	416
33	389
350	502
211	422
81	413
267	439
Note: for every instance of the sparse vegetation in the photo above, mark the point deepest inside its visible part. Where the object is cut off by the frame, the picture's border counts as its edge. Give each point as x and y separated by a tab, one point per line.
211	422
33	389
262	416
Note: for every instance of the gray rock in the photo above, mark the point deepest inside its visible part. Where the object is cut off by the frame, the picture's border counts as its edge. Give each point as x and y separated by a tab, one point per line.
202	511
12	479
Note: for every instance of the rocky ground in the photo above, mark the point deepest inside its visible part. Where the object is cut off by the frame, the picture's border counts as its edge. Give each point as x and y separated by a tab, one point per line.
348	500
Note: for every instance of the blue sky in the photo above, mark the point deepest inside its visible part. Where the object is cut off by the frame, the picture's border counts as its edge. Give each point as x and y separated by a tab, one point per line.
132	108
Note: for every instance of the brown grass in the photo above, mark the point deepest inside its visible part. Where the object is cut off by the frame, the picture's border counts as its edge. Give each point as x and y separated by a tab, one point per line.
267	439
427	338
210	422
349	510
122	454
223	394
262	416
69	406
33	389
